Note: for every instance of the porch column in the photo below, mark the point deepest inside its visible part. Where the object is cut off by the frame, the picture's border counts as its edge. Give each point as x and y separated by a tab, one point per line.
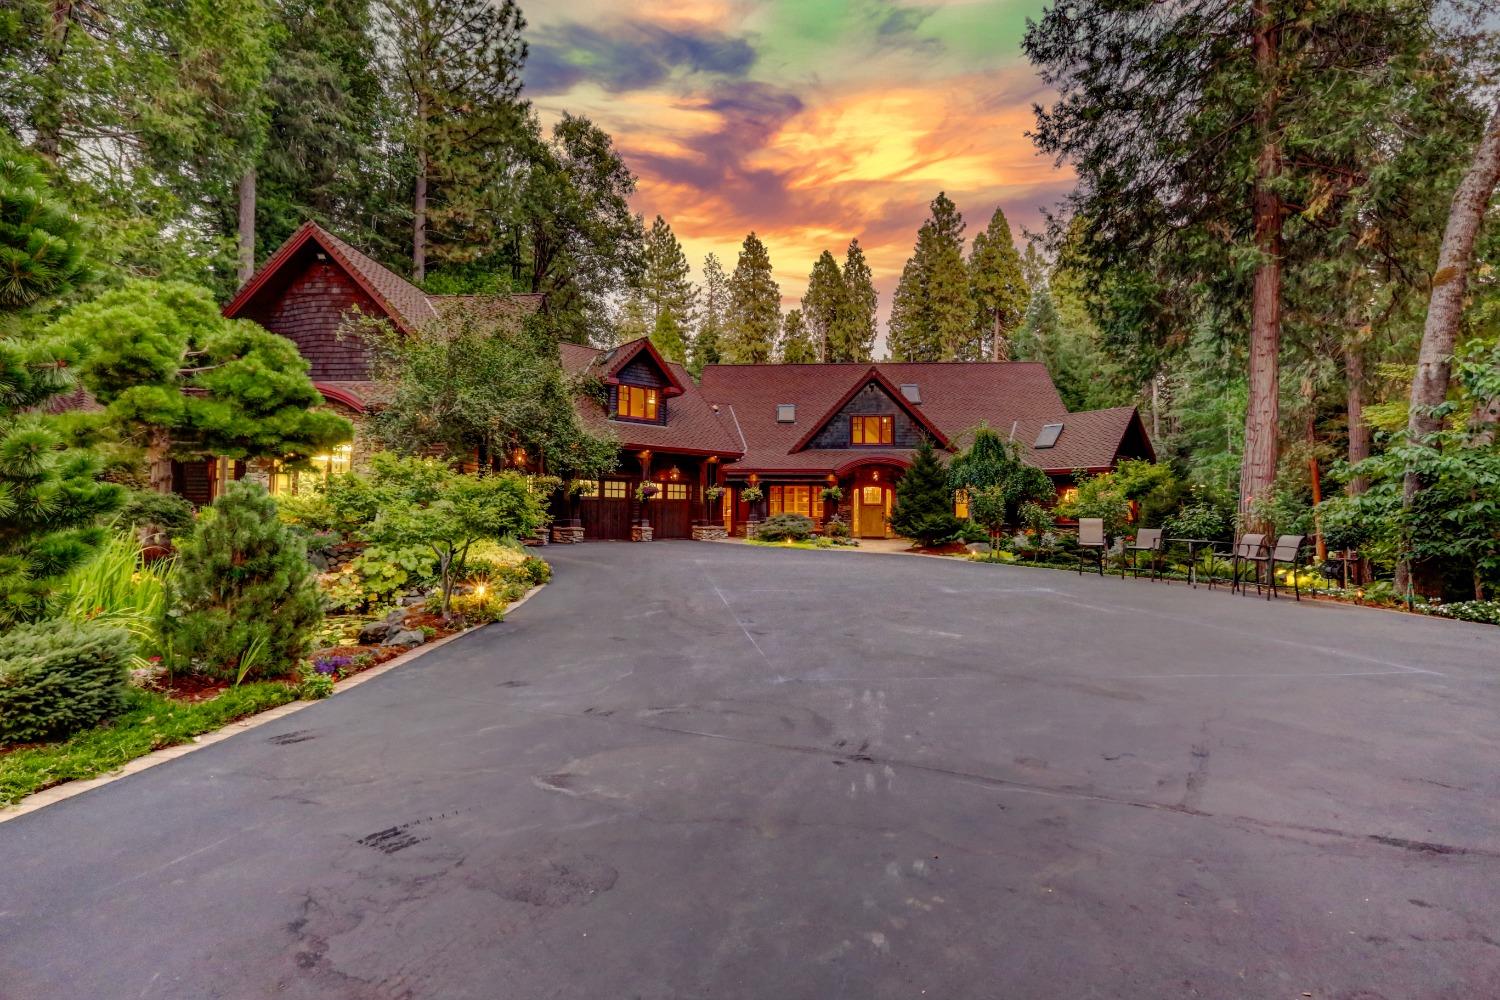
641	530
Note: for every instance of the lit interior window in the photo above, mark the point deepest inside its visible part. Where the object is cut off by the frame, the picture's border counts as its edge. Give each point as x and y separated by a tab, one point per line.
335	462
614	489
872	430
961	504
637	403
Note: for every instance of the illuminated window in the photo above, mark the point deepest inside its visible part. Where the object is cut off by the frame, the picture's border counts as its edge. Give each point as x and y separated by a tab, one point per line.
674	491
873	496
804	500
589	488
336	462
614	489
872	430
1068	495
279	482
961	504
637	403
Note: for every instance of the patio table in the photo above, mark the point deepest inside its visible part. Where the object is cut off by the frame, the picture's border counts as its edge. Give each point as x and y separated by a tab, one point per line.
1193	544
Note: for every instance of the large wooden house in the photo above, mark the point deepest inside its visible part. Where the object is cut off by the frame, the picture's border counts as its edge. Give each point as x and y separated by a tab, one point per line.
788	430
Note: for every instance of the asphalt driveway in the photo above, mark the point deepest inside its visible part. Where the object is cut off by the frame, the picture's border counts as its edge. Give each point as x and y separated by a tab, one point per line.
688	770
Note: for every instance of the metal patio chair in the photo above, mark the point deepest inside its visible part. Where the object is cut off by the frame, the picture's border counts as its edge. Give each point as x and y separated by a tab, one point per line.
1249	550
1091	541
1146	540
1288	551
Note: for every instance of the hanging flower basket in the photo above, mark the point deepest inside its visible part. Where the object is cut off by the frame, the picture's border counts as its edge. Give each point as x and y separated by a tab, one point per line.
751	494
646	491
832	494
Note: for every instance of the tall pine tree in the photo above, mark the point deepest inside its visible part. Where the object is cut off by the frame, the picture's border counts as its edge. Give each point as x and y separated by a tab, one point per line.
666	281
797	344
713	306
858	340
997	285
754	316
932	317
825	307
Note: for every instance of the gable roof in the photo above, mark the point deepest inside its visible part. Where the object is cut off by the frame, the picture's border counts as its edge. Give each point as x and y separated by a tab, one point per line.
956	396
403	303
614	360
1092	440
694	425
874	375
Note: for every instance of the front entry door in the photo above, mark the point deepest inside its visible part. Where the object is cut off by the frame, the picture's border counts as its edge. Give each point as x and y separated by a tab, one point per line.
871	512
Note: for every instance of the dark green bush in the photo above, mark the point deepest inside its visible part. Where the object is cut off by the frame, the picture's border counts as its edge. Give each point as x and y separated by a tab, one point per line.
779	527
247	604
167	512
59	676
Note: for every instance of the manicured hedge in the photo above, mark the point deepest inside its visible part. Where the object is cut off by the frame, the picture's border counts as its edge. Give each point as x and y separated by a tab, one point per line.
778	527
57	677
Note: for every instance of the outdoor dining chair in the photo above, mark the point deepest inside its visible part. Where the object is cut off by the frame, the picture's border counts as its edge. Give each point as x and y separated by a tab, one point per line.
1146	540
1250	550
1091	541
1288	552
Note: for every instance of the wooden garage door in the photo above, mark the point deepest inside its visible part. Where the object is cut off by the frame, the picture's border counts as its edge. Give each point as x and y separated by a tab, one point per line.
671	511
605	510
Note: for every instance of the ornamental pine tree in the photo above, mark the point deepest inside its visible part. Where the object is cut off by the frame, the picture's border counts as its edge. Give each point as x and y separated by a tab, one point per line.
754	307
923	510
998	286
179	379
41	245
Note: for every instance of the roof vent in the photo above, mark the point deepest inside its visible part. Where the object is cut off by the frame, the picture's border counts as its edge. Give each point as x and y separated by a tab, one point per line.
911	392
1048	435
786	413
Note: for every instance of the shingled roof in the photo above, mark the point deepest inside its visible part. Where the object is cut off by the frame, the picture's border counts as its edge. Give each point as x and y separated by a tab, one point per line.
955	398
693	426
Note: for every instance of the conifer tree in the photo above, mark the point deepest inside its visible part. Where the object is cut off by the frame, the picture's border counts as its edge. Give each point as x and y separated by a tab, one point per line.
923	510
858	342
667	336
178	378
713	305
797	345
997	285
826	308
936	318
666	280
41	243
754	315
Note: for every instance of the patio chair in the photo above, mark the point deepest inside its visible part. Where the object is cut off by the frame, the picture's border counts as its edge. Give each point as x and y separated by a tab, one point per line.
1146	540
1250	550
1091	541
1288	551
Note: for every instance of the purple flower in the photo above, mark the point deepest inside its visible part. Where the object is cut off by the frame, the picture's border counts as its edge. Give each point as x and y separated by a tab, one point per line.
331	664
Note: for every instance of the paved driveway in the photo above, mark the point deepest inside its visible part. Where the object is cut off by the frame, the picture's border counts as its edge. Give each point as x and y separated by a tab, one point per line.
689	770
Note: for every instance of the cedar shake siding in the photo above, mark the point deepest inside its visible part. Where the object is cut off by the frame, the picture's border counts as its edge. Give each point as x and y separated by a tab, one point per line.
872	400
309	314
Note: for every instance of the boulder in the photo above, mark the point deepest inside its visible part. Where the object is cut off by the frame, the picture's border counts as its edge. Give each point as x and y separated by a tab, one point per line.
979	547
407	637
374	632
397	617
412	600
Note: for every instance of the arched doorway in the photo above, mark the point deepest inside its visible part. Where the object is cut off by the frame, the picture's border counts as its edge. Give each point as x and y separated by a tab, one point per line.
870	497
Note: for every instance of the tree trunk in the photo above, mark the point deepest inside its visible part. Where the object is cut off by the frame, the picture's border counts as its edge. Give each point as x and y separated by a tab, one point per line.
1263	414
247	225
159	461
1354	403
1000	346
1445	309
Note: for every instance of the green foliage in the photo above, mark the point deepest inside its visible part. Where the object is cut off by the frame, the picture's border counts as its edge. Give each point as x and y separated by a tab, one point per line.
992	472
779	527
244	583
666	288
932	313
923	510
480	607
118	587
424	503
854	339
997	286
51	501
828	313
667	336
379	574
57	677
753	316
164	512
41	242
1102	496
1200	519
314	685
796	347
1483	612
150	721
713	310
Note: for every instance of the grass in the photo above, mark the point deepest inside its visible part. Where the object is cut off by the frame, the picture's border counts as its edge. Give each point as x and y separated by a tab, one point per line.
790	544
150	722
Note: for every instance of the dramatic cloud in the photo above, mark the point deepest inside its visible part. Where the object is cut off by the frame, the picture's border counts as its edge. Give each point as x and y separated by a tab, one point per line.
810	122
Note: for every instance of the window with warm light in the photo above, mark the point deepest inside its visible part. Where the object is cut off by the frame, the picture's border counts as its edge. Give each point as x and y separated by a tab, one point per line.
804	500
588	488
674	491
334	463
872	430
961	504
615	489
638	403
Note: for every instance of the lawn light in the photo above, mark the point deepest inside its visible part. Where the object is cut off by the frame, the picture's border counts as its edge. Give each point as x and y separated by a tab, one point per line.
480	589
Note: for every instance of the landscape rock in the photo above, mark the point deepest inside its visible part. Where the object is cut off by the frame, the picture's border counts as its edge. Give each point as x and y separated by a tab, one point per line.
396	617
408	638
412	600
374	632
980	547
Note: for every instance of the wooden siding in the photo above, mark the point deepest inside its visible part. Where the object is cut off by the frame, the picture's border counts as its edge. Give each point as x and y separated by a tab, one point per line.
870	401
310	312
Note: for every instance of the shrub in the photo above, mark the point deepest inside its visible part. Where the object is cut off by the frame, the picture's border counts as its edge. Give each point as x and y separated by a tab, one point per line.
244	587
57	677
118	587
969	532
1484	612
314	684
836	527
924	501
1198	520
168	513
779	527
481	605
1102	496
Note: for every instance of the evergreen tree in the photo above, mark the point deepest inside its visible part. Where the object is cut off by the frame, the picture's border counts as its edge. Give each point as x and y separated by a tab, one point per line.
632	321
826	308
998	286
712	308
248	599
923	510
754	314
41	243
666	280
457	71
993	463
858	344
667	336
797	344
177	377
51	500
936	318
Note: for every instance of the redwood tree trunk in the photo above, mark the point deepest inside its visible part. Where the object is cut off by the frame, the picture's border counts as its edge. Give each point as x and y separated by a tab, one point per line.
1445	308
1263	414
1354	403
247	225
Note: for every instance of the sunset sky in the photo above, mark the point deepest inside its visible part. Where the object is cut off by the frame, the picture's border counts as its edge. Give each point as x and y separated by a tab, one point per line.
808	121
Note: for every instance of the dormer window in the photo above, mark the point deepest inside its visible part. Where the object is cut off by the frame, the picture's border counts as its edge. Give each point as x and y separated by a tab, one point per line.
872	430
786	413
638	403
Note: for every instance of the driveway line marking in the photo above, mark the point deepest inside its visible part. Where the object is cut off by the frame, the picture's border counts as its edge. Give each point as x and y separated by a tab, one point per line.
727	607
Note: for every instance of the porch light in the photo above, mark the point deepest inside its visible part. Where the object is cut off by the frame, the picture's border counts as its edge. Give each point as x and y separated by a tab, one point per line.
875	476
674	473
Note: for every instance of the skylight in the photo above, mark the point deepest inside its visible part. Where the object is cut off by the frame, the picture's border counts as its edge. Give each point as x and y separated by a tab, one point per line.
912	393
786	413
1048	435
